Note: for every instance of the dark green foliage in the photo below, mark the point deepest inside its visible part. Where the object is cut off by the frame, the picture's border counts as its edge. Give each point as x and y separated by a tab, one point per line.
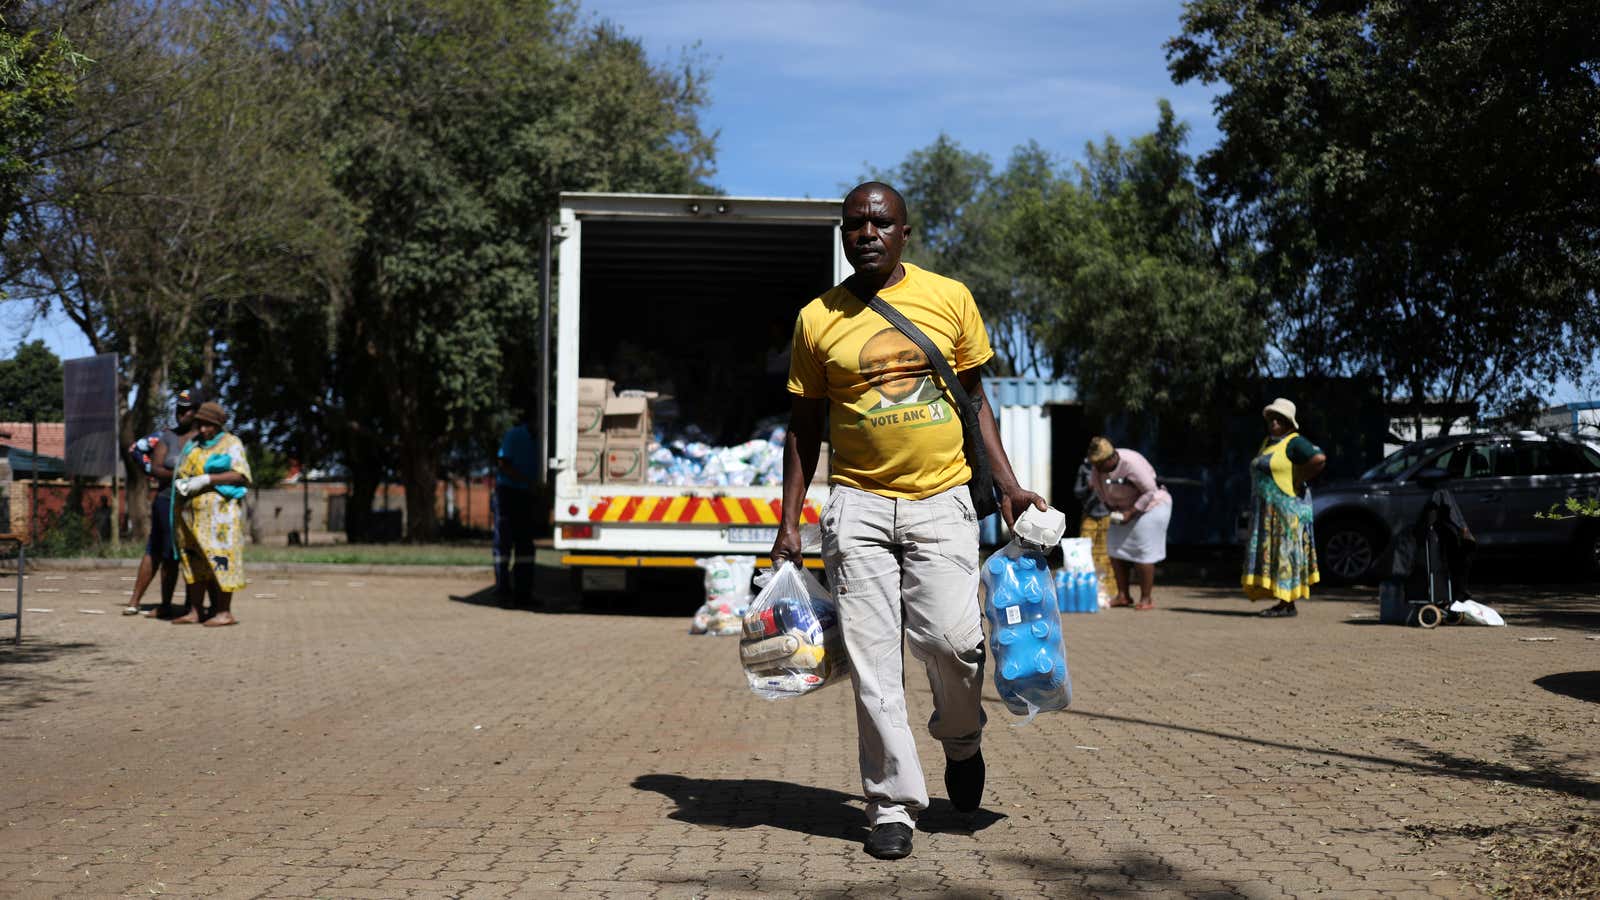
448	127
1110	271
1420	178
1147	308
31	385
37	71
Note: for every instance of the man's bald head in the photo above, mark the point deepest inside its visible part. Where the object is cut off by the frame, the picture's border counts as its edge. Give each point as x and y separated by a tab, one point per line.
889	194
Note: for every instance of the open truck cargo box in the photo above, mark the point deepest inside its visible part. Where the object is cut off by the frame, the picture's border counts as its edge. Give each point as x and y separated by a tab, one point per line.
687	298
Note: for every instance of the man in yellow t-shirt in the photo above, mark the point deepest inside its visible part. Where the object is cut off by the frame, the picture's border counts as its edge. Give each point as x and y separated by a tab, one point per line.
899	533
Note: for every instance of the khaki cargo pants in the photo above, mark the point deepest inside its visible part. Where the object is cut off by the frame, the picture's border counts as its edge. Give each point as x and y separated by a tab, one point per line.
907	566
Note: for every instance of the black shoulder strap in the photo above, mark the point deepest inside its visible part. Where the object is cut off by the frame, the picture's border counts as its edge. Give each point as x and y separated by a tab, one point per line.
981	486
965	408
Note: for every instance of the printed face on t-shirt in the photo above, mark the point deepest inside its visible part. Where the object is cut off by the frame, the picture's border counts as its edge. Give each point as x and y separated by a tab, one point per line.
893	365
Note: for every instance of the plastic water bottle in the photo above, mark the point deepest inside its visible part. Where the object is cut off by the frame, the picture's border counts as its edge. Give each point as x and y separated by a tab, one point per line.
1024	615
1077	592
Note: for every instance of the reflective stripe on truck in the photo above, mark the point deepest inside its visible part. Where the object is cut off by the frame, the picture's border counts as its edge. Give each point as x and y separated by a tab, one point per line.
695	510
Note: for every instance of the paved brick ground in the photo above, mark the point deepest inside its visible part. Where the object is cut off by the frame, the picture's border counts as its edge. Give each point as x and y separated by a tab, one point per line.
367	736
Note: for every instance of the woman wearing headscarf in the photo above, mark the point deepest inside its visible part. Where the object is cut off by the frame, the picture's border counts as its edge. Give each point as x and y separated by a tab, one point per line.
1141	509
1280	561
208	493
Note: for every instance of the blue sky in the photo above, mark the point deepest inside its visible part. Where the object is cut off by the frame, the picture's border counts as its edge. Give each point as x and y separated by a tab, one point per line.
807	95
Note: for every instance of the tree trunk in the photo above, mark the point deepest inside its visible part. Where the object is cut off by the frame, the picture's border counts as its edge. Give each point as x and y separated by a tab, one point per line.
419	472
208	375
134	421
358	503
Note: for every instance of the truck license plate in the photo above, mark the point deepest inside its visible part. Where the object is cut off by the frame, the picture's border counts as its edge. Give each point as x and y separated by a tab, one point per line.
752	535
603	580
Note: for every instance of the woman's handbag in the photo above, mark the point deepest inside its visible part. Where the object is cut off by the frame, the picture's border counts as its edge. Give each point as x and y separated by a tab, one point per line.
984	499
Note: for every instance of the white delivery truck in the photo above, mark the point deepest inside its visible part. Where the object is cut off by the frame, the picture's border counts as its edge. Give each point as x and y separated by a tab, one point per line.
692	300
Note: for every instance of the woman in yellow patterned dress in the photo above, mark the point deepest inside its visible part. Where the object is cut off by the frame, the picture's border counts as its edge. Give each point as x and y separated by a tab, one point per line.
208	503
1280	560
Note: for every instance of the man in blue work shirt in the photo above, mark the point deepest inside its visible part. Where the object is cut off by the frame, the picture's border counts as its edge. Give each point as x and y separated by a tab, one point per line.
518	466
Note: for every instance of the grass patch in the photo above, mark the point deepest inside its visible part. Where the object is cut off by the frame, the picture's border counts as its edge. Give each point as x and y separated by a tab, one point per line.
458	554
376	554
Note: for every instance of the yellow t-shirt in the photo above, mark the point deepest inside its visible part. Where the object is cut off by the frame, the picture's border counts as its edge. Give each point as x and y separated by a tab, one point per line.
893	431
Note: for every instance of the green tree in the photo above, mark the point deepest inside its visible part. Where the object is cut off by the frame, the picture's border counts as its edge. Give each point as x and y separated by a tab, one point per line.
37	75
961	213
1420	179
31	384
1146	307
179	193
451	126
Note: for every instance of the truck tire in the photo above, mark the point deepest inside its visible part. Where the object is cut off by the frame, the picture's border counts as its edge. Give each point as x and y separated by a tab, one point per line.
1586	552
1347	551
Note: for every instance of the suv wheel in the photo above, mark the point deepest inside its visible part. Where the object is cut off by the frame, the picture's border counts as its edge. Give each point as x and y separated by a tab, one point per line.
1348	551
1588	552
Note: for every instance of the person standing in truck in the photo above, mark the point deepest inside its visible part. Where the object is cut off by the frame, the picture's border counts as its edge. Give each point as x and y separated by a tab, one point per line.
899	531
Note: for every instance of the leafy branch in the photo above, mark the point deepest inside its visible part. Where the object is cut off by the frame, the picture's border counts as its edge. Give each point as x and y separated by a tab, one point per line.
1573	508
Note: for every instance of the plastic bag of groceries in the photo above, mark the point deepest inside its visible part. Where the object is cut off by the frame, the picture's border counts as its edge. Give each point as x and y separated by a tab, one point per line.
792	644
727	583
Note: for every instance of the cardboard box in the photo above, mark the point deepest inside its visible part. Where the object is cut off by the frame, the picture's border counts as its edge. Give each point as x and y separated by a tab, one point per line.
590	463
592	396
627	460
593	391
627	417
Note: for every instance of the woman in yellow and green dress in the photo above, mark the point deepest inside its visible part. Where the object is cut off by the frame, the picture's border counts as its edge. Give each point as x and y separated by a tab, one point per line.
208	505
1280	560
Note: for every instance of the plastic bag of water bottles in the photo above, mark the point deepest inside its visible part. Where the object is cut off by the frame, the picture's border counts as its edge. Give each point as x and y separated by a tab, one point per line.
1030	651
1077	585
791	643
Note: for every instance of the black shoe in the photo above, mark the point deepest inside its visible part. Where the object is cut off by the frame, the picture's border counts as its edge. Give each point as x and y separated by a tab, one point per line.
963	781
1281	611
891	840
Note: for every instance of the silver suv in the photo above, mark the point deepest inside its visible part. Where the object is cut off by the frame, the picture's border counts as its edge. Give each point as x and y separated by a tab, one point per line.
1499	480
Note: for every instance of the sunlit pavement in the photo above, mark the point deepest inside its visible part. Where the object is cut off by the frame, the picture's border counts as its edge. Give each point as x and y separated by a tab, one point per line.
382	736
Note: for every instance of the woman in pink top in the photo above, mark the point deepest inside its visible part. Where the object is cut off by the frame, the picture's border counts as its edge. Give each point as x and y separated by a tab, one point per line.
1140	512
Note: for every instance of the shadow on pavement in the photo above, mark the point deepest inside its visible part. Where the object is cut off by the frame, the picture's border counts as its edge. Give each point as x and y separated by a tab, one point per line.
652	592
1532	766
1233	613
822	812
1577	685
486	597
1533	772
22	689
1145	874
1576	607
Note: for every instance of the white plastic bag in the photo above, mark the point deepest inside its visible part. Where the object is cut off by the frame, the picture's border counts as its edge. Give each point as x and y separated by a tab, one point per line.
1475	613
727	594
1077	554
728	580
792	644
